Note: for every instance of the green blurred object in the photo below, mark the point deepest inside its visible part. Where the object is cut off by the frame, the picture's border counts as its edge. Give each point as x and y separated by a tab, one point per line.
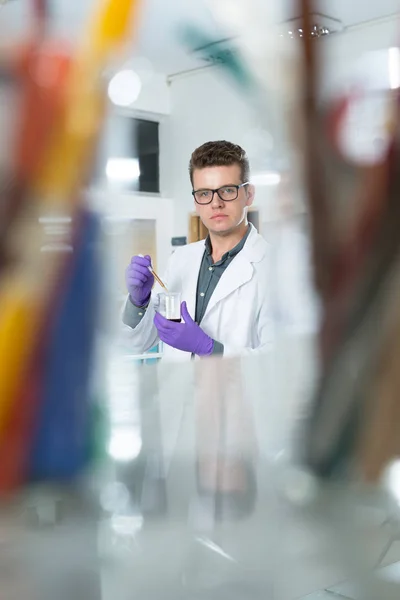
218	52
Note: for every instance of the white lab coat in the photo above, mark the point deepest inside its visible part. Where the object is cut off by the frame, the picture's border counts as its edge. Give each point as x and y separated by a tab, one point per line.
239	313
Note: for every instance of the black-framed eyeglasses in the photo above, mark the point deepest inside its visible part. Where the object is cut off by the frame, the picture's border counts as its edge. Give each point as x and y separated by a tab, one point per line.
227	193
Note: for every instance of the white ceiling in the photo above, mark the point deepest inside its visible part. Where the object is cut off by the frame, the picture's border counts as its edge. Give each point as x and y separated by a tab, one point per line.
349	12
158	34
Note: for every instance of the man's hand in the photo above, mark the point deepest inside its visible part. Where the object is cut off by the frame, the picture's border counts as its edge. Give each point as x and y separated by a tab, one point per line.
139	280
187	336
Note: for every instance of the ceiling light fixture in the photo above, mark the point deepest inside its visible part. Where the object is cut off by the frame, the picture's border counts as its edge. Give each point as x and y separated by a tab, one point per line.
321	26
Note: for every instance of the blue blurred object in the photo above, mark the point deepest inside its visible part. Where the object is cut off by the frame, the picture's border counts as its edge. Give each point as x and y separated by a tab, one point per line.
152	361
63	441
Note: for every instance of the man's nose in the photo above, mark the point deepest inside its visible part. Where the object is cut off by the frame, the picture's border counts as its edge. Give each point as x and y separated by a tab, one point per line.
216	201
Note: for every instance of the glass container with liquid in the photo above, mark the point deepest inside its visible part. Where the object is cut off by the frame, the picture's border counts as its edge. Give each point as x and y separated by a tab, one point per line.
170	306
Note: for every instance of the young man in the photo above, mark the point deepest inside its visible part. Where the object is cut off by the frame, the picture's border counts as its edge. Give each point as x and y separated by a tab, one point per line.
223	280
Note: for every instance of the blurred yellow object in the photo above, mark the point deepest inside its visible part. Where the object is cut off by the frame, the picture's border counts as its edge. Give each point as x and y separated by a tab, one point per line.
71	149
62	173
56	185
110	27
18	323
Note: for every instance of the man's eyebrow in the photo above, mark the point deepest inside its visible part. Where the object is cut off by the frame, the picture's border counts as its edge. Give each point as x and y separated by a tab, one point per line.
221	186
202	189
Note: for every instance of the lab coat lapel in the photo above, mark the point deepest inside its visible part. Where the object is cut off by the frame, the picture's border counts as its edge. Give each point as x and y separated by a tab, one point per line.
239	272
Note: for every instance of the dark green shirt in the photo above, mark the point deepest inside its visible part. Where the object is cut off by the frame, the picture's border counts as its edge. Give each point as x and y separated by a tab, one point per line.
209	275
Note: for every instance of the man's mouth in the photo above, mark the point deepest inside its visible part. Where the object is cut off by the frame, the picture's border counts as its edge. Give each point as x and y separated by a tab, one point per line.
219	216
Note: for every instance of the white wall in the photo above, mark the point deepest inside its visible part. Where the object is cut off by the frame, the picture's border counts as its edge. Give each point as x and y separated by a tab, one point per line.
154	96
207	106
342	51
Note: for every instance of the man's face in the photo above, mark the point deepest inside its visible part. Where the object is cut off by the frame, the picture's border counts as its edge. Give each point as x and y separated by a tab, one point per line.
222	217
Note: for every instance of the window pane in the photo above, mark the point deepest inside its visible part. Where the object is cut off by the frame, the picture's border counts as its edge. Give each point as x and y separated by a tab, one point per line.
148	151
128	156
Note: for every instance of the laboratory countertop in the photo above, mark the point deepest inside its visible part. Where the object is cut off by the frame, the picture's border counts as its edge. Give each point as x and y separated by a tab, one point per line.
200	496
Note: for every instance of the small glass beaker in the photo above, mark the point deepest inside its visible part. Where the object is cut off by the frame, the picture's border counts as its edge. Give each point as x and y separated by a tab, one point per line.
170	306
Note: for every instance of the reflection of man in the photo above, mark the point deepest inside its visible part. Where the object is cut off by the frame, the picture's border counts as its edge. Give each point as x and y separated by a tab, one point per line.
296	308
226	441
223	281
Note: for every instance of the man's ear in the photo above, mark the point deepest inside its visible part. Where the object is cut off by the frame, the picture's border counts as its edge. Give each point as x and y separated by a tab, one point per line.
250	193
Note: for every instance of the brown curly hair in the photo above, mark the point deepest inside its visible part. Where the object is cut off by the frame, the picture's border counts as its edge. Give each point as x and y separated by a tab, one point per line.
220	154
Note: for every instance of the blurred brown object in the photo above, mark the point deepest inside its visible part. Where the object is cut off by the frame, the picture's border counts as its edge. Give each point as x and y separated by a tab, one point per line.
355	223
380	436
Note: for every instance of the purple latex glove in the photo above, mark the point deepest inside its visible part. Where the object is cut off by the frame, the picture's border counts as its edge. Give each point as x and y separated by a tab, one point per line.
139	280
187	336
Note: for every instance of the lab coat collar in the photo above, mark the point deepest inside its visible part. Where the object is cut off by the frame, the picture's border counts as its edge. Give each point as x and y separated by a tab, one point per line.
240	270
255	247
